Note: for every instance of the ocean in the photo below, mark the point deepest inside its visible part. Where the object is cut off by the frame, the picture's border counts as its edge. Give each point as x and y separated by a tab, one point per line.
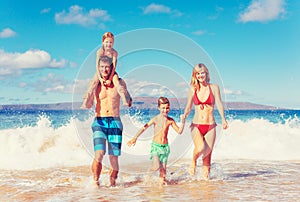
45	155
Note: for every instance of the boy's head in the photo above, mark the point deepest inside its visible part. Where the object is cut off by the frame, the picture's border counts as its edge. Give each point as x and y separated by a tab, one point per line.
163	100
164	106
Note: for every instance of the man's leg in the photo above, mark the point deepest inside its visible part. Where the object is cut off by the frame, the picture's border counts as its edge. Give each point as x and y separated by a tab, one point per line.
114	162
97	165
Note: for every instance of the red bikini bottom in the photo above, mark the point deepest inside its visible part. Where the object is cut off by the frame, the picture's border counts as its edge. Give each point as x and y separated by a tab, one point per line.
203	128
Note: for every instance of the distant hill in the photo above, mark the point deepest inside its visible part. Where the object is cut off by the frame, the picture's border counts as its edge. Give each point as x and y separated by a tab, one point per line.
138	102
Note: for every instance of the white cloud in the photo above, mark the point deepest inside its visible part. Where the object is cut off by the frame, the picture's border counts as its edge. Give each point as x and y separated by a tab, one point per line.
263	11
53	83
12	62
145	88
199	32
76	15
231	92
159	8
7	33
45	10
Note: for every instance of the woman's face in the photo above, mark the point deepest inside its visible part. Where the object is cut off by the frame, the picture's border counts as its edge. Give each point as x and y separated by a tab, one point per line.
200	75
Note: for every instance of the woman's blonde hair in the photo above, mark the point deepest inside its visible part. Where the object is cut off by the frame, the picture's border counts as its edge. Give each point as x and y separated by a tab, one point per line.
196	69
107	35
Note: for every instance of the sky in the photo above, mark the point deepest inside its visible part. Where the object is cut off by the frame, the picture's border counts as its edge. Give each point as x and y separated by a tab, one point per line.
251	47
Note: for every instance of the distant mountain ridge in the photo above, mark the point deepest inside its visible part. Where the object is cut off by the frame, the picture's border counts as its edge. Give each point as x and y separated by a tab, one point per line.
138	102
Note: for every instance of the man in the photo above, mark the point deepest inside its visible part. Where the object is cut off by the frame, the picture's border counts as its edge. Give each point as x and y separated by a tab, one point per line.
107	126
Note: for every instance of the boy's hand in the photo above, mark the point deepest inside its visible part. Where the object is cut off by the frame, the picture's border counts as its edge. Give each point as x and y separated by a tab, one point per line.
131	142
182	117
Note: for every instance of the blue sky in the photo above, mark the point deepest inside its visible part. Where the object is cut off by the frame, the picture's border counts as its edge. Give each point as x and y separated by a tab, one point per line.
250	46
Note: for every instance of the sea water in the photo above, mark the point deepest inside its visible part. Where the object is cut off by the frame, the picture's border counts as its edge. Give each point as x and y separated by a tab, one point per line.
46	155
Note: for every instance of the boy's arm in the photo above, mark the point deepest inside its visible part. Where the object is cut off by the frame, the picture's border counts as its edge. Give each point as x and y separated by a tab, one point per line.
178	130
134	139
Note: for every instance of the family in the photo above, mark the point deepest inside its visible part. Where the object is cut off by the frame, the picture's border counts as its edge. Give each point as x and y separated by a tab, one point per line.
106	90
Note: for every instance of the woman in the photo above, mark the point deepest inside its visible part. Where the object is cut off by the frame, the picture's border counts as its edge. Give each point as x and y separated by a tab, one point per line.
203	128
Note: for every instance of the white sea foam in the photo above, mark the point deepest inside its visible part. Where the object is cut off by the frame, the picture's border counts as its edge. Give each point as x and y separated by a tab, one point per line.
260	139
43	146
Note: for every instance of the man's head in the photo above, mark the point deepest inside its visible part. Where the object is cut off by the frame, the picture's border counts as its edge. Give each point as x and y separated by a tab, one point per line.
105	66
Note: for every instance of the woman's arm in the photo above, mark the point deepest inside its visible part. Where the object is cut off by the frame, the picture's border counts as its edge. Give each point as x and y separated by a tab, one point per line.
219	104
189	104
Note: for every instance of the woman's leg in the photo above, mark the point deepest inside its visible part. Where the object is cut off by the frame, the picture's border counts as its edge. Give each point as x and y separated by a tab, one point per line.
198	148
207	153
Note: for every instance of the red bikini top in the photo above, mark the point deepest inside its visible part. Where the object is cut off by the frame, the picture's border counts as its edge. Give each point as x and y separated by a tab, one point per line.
209	101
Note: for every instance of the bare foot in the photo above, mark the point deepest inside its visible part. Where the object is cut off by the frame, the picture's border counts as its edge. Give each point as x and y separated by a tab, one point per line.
113	177
97	183
162	181
112	182
205	172
193	168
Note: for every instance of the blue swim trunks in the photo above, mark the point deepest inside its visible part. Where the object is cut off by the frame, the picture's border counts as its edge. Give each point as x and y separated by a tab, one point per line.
160	150
108	129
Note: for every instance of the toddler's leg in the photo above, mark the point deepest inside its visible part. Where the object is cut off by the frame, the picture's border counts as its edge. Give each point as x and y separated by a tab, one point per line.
122	90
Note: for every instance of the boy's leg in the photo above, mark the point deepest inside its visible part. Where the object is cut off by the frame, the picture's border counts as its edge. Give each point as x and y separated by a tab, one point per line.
155	164
163	172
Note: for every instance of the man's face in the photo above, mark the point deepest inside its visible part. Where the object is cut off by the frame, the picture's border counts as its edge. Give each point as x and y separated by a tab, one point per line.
104	69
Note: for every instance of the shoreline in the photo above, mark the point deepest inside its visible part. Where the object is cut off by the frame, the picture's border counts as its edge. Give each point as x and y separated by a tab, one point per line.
140	103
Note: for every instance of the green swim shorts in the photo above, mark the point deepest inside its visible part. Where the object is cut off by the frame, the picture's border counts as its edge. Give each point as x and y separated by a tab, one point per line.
160	150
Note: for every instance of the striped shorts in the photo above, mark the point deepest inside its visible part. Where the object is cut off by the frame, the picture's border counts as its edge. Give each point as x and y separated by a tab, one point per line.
108	129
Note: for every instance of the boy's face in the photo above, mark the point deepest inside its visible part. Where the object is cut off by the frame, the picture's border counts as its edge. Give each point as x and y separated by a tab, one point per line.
164	109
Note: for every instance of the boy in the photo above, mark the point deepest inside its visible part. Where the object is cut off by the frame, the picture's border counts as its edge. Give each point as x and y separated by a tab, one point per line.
160	149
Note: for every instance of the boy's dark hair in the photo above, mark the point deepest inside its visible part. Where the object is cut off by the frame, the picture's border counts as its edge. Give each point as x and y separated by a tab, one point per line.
163	100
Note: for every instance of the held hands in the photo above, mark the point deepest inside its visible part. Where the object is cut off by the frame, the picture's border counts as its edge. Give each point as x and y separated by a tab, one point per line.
224	124
182	117
132	142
